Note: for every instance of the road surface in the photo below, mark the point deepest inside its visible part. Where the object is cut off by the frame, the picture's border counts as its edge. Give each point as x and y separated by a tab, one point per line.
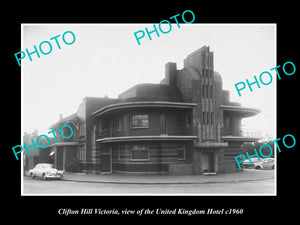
61	187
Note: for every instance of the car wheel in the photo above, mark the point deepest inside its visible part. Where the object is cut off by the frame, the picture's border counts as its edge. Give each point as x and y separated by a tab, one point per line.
245	166
32	175
273	167
258	167
44	177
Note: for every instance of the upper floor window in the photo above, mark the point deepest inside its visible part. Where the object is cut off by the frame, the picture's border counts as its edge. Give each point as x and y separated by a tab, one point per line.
100	126
119	124
139	121
188	120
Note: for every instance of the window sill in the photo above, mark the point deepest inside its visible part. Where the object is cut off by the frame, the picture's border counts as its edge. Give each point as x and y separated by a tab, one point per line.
139	160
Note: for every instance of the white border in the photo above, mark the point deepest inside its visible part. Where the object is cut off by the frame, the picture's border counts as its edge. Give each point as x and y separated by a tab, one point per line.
143	194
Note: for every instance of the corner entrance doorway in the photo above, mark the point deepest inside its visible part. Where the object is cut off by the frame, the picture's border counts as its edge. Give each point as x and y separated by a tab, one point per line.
211	162
208	162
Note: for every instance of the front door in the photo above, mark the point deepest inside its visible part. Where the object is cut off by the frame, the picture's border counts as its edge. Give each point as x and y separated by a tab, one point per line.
59	157
207	162
211	162
106	161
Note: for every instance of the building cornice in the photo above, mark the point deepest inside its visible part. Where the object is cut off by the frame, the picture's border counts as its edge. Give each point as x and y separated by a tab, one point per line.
143	104
241	111
231	138
146	138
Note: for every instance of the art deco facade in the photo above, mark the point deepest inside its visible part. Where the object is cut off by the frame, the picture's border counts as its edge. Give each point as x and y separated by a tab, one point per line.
184	125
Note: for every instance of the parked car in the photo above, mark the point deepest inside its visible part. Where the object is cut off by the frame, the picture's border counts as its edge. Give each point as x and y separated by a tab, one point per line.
45	171
268	163
247	164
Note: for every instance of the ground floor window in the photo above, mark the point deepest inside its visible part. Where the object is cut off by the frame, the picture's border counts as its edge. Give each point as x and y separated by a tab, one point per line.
154	152
180	152
139	152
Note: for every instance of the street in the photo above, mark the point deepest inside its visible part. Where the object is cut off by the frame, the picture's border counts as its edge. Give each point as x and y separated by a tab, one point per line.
63	187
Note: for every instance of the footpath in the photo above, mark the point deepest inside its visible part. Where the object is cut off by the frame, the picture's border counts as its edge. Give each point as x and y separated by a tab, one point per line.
241	176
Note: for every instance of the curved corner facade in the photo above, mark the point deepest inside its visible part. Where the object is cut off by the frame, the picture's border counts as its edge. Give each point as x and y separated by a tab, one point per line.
186	124
145	136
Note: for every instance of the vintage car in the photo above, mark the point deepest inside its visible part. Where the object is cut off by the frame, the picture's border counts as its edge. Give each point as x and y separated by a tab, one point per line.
247	164
268	163
45	171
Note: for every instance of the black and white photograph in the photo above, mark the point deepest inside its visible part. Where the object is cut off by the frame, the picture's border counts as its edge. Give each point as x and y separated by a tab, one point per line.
106	112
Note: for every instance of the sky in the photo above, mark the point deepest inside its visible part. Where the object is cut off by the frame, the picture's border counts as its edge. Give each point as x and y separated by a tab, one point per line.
106	60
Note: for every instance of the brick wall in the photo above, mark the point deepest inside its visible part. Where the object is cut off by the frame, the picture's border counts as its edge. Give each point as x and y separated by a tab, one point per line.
180	169
197	162
91	105
184	83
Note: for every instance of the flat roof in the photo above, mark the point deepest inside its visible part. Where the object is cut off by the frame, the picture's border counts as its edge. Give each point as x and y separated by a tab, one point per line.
239	138
242	111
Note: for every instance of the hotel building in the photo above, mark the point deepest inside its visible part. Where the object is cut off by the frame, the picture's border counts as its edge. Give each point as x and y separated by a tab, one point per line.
186	124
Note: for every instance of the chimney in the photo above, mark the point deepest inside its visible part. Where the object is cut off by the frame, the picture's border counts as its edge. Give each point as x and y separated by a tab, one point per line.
170	73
